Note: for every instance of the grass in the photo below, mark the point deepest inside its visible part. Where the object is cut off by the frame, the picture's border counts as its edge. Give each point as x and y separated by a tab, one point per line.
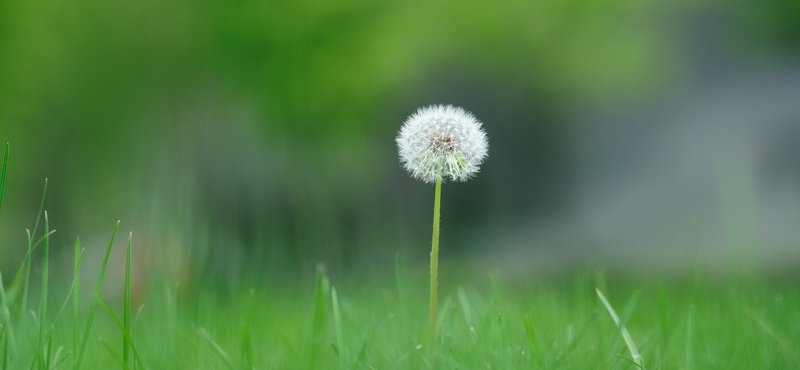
636	357
551	325
379	321
557	324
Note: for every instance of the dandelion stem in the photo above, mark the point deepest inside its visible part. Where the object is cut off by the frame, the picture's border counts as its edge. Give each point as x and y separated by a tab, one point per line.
437	201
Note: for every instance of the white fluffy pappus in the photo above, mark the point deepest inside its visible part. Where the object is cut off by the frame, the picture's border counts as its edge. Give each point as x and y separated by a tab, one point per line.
442	142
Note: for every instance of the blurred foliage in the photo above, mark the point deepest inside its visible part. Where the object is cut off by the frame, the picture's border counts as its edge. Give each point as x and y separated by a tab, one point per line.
313	69
295	103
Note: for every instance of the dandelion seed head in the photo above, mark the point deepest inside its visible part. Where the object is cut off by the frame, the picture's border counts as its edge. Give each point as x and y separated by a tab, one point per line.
442	142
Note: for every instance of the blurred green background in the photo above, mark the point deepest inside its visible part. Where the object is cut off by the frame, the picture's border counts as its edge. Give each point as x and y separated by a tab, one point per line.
259	135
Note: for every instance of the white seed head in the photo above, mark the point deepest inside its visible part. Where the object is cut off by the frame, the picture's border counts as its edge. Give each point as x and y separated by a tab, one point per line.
442	142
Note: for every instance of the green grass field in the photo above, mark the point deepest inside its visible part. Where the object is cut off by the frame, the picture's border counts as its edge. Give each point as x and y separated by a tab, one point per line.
379	320
548	325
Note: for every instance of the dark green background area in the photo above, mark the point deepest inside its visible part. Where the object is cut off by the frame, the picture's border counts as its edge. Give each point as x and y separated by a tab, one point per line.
263	131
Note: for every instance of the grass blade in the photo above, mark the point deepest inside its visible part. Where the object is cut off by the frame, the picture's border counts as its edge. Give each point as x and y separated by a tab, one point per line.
14	291
48	351
26	263
133	331
217	348
119	324
126	315
43	296
93	306
635	355
337	323
56	360
76	319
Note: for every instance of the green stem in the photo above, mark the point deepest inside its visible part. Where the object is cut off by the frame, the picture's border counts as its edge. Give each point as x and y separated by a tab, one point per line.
76	319
437	202
126	315
95	299
43	300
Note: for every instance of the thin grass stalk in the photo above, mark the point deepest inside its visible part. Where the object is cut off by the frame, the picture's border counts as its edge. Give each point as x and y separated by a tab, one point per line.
93	306
76	318
8	333
217	348
48	350
43	298
636	357
337	323
126	315
119	325
26	264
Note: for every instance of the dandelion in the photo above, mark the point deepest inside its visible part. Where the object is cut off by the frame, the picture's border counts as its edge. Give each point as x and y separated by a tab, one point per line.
439	143
442	142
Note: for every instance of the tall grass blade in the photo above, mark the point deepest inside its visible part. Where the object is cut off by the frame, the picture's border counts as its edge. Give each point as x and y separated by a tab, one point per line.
76	318
42	346
133	331
126	315
93	306
41	239
58	360
337	323
634	351
26	263
19	278
119	324
48	351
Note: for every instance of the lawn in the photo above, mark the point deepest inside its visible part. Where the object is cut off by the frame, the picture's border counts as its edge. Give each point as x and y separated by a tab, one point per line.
558	324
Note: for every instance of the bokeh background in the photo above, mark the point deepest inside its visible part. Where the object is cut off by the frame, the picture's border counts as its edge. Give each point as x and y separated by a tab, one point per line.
258	136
